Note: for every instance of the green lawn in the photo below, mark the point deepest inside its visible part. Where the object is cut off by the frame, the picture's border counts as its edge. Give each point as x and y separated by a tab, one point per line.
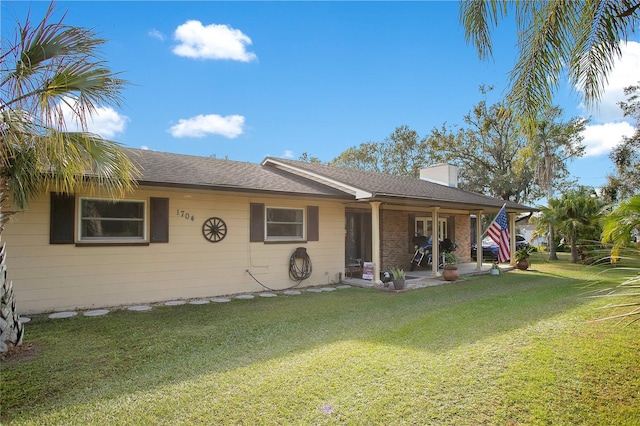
520	348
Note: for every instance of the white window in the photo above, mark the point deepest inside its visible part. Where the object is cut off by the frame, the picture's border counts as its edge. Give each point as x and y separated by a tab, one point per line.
284	223
108	220
424	226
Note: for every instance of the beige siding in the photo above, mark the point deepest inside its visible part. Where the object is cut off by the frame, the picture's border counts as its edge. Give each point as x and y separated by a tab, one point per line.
58	277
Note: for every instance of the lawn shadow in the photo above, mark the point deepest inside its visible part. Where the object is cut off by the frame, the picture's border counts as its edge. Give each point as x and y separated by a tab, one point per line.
107	357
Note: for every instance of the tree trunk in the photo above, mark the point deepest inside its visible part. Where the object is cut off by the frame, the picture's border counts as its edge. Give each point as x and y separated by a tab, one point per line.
552	244
11	329
552	232
574	250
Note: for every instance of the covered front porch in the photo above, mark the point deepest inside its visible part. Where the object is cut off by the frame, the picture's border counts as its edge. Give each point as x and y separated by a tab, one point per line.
426	277
382	234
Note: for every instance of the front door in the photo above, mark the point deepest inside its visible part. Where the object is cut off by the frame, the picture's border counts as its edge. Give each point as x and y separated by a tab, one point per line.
358	236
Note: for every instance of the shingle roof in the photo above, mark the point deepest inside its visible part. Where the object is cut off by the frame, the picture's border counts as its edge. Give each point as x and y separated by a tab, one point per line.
177	170
277	175
385	185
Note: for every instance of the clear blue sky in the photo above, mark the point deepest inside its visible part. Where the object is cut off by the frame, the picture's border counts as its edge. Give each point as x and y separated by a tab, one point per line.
245	80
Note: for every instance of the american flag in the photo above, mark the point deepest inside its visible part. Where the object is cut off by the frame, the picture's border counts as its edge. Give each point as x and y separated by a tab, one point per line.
499	233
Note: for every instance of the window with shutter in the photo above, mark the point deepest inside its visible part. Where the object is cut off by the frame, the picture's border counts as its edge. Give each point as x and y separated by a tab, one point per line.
104	220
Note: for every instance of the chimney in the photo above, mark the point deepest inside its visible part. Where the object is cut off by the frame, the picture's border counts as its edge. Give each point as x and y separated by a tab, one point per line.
442	174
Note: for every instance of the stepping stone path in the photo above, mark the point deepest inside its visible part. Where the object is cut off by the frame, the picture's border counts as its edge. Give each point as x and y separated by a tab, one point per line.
24	320
244	296
143	308
139	308
67	314
96	313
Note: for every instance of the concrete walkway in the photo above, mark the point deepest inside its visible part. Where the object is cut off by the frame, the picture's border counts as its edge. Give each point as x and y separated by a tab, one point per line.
423	277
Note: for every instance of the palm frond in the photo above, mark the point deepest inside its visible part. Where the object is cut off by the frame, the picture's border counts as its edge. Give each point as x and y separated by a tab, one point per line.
478	17
54	65
544	46
597	47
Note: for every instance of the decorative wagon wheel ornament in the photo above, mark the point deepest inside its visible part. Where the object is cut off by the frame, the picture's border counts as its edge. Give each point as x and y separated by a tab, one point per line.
214	229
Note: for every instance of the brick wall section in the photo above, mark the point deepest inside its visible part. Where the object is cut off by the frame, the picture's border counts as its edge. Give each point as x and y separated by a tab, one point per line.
463	237
394	250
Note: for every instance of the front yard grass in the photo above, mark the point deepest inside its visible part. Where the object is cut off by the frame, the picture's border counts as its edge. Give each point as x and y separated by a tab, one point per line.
519	348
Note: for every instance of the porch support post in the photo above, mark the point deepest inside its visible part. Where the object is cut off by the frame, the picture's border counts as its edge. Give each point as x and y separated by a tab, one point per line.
375	240
512	237
479	240
435	241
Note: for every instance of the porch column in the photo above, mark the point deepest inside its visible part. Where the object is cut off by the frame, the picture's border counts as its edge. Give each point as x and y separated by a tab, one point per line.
375	240
512	237
435	242
479	240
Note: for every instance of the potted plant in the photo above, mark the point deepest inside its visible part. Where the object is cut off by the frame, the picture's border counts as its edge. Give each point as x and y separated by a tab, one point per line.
399	277
450	268
494	269
522	257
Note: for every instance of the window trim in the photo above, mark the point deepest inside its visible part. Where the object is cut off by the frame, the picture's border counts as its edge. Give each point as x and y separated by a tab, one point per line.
428	221
303	225
114	240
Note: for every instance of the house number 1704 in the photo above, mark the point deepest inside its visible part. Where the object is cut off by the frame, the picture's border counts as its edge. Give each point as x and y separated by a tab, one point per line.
186	215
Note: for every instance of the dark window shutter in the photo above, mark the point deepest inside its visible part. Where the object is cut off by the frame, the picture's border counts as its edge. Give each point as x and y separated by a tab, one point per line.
256	231
411	232
313	227
61	218
159	220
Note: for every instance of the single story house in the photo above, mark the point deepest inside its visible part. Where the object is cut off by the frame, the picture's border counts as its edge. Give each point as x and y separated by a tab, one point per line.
202	227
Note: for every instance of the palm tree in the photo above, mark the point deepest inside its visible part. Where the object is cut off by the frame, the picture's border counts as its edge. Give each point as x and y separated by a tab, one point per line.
552	144
618	228
579	211
581	38
547	222
49	65
621	224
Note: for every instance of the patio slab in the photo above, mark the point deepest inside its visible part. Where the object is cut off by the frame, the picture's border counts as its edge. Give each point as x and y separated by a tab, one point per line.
421	278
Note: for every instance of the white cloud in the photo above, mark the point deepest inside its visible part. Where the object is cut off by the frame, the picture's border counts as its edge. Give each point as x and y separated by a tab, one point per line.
624	74
212	42
287	154
105	121
155	33
230	126
144	147
599	139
